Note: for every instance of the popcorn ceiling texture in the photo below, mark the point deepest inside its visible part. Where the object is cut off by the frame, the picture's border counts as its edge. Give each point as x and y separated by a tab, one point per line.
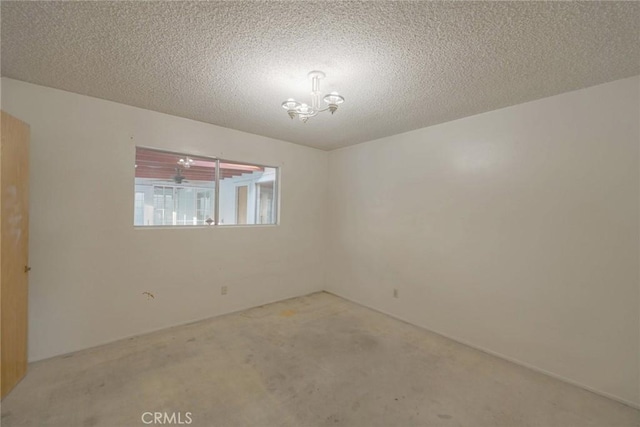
399	65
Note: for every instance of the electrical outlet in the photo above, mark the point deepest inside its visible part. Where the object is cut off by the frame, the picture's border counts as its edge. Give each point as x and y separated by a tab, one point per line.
223	290
395	293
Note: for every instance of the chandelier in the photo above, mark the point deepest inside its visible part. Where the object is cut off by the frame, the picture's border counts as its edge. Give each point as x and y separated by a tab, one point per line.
186	162
304	111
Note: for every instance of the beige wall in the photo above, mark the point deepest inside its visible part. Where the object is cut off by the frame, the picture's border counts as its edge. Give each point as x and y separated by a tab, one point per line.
90	266
515	231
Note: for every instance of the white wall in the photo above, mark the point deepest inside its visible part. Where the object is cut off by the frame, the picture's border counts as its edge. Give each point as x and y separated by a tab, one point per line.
515	231
90	266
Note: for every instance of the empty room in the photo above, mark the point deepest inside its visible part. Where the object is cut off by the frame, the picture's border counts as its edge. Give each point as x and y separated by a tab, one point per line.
320	213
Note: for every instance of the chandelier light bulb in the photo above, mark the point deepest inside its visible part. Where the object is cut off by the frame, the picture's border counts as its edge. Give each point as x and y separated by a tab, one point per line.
333	98
303	109
290	104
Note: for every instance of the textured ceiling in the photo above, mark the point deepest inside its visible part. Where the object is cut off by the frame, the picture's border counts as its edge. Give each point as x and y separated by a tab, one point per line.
399	65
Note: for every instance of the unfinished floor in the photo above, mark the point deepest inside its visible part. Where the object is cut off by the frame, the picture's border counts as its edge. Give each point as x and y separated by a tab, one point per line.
311	361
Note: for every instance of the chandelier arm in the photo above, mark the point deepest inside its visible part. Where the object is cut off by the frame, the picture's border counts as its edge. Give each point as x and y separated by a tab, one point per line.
315	112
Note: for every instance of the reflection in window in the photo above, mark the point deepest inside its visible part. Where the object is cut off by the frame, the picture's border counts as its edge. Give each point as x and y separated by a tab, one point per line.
180	205
266	201
247	194
180	190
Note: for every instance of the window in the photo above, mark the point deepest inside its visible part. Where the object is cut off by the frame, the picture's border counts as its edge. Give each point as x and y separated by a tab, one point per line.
173	189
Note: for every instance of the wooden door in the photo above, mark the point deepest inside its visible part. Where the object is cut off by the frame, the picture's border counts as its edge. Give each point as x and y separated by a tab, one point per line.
14	236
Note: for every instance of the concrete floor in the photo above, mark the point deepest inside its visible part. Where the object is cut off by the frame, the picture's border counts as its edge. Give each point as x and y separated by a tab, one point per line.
311	361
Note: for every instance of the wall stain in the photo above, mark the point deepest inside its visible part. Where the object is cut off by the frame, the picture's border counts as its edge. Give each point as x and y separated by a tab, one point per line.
287	313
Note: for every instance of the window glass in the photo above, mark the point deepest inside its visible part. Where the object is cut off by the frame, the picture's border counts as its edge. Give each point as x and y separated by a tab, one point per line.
180	190
173	189
247	194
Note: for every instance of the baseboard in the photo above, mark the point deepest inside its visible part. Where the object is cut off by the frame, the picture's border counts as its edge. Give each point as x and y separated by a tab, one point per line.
496	354
461	341
151	331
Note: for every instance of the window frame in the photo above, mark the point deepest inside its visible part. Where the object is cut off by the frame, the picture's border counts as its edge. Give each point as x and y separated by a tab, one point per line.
216	197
